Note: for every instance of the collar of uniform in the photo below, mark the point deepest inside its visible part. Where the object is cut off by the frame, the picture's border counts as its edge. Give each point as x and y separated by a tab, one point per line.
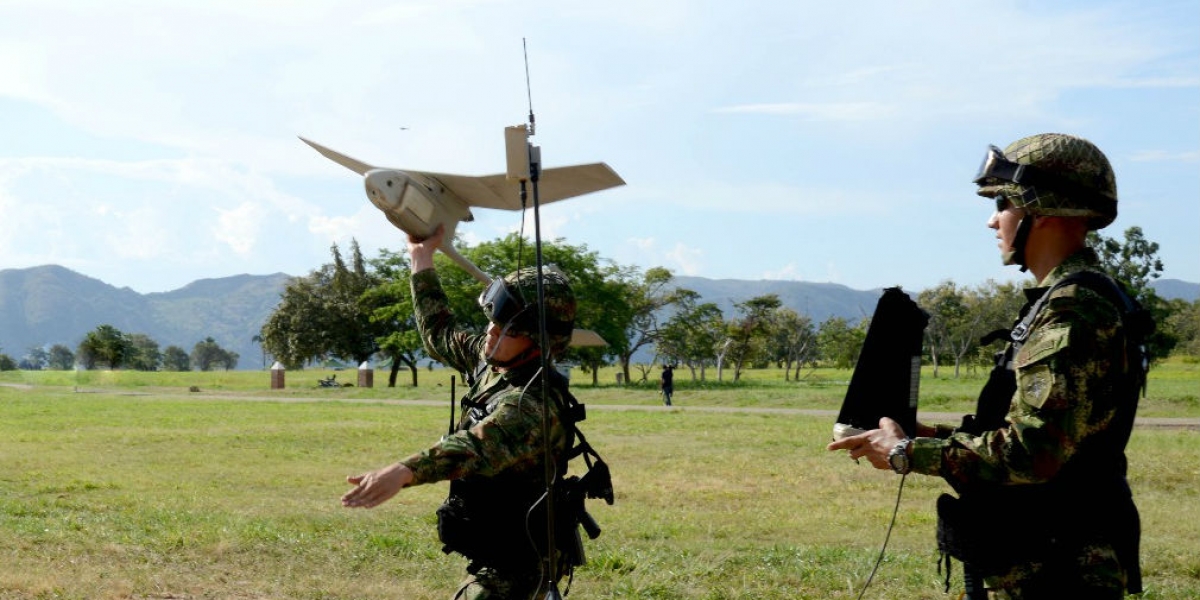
521	374
1083	260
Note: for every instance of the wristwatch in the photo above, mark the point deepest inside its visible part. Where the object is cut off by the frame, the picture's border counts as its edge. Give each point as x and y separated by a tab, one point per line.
898	457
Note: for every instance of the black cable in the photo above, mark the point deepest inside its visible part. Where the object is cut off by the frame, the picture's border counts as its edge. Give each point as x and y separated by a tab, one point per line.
887	537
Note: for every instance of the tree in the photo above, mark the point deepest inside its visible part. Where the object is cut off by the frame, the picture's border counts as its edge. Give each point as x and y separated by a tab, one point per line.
7	363
257	339
960	317
61	358
1135	263
176	359
321	315
748	333
1184	321
391	309
945	305
646	296
840	342
35	359
104	345
793	340
694	333
144	355
207	355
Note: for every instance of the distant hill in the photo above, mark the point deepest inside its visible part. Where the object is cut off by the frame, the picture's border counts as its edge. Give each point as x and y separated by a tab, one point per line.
47	305
1171	289
818	301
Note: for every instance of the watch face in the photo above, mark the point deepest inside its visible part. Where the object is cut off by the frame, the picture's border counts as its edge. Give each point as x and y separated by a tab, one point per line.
898	458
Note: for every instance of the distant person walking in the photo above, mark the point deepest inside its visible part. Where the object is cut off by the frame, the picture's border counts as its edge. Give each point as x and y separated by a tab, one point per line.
666	383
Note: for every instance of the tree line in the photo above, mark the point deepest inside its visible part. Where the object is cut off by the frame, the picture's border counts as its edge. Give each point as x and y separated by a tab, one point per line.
362	310
107	347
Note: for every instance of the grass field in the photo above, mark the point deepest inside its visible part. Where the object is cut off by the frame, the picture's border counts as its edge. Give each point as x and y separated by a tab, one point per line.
127	485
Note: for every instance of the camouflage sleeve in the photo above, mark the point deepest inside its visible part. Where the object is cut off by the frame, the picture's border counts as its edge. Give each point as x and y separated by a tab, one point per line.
1068	373
508	439
436	324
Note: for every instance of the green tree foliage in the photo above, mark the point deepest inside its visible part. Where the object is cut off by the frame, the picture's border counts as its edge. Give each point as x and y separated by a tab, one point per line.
60	358
1135	263
7	363
208	355
749	331
34	360
693	335
960	316
104	346
144	355
840	342
1184	322
321	315
646	294
792	341
175	358
391	310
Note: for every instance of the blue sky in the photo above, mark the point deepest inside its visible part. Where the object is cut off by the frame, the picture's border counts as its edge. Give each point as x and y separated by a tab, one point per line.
150	144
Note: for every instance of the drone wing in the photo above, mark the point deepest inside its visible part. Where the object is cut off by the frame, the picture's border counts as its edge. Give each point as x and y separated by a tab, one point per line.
497	191
353	164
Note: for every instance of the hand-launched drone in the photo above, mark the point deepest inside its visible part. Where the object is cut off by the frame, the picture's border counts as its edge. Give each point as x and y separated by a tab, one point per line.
418	201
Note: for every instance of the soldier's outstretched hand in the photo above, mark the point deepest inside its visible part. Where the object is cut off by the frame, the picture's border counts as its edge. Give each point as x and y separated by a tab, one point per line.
376	487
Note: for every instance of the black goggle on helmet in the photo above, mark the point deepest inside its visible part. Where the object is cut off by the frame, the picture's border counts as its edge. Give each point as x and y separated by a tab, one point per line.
1051	174
501	305
511	303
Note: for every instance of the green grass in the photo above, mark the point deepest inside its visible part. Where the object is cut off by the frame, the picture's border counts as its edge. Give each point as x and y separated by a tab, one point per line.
126	485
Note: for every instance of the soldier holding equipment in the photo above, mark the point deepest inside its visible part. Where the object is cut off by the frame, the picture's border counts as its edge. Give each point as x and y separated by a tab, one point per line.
1043	508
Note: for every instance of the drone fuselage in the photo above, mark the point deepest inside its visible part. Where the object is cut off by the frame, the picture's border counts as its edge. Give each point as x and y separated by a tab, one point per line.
415	203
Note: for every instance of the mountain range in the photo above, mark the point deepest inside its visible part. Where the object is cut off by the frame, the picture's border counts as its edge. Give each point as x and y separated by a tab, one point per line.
47	305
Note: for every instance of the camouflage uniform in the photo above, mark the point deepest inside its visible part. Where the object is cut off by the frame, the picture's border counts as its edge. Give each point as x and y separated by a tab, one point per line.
1064	416
501	438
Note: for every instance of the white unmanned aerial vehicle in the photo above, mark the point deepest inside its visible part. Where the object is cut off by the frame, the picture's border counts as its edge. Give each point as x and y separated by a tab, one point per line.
418	201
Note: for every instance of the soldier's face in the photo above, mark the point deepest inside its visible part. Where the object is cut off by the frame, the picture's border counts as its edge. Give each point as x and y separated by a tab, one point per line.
1005	221
504	346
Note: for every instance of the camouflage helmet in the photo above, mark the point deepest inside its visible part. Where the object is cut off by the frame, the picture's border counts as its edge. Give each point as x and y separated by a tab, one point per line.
512	302
1052	174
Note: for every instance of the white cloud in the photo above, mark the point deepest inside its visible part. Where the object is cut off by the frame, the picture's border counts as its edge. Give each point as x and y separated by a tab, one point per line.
789	272
238	227
687	259
644	244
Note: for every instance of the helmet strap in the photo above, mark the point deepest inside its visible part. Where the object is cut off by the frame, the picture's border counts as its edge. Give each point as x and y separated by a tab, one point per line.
525	356
1016	256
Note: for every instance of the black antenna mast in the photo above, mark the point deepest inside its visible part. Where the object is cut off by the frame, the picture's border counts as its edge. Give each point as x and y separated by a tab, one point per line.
533	156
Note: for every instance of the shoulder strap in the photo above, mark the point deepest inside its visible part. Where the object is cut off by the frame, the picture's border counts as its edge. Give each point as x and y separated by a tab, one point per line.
1138	322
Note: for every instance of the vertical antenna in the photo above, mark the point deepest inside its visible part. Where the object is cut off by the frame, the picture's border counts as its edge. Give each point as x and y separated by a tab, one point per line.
551	559
528	89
